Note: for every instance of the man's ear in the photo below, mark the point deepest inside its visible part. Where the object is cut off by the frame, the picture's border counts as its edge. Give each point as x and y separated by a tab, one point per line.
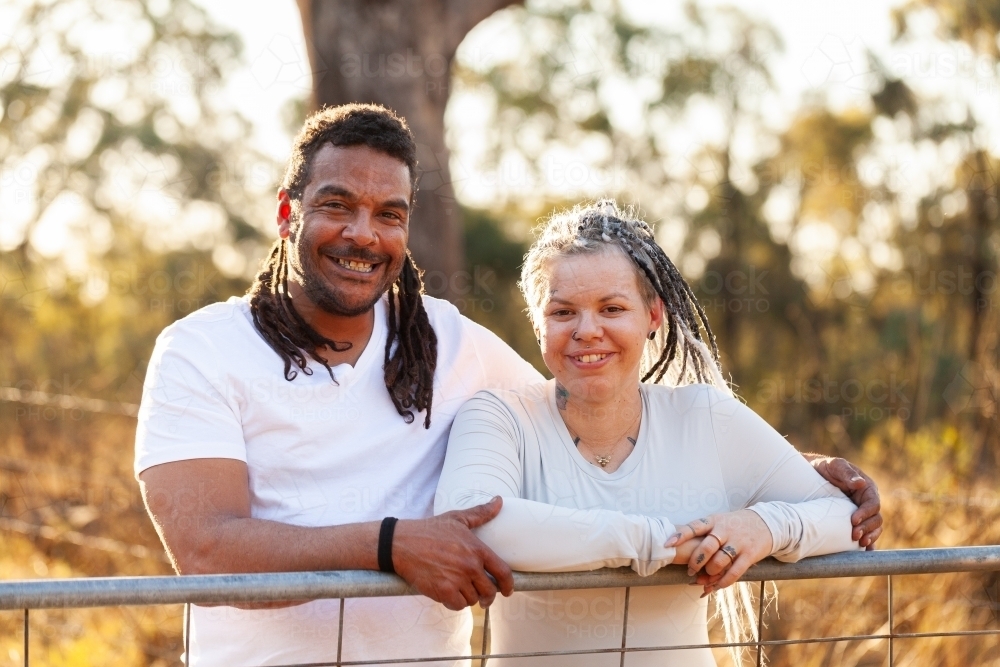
284	214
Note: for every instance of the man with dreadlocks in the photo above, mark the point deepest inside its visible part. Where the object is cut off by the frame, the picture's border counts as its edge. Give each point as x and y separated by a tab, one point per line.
286	429
278	431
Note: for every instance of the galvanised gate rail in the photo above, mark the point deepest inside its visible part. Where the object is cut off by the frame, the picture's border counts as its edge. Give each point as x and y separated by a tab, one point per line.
242	588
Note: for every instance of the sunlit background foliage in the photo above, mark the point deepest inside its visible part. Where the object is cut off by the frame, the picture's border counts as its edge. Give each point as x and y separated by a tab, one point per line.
847	259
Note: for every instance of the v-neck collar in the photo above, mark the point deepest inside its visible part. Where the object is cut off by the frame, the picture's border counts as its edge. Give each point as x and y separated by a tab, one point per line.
347	374
630	462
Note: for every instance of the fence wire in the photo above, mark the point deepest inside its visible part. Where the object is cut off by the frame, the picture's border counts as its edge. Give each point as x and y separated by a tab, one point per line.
241	588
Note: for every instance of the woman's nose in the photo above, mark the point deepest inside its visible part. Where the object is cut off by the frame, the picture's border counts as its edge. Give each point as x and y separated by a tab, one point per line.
588	327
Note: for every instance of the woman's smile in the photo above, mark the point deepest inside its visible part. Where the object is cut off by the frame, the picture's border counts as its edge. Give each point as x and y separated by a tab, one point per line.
590	359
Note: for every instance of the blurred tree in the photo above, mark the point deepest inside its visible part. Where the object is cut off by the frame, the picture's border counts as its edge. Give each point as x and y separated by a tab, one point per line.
490	295
128	198
810	339
952	251
591	102
976	23
848	260
123	182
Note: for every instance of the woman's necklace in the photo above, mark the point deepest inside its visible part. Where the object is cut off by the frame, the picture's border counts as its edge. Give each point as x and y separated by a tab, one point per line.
604	459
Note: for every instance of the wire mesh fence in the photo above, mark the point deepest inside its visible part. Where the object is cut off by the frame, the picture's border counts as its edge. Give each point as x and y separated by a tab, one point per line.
892	567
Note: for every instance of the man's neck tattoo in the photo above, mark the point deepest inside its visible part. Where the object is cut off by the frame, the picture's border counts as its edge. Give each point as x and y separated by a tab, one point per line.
562	396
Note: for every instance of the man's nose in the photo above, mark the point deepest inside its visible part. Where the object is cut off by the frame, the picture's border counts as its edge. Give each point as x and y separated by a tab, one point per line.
361	228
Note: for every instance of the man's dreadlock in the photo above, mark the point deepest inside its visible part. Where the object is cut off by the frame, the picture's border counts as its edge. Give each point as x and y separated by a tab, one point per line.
411	344
679	354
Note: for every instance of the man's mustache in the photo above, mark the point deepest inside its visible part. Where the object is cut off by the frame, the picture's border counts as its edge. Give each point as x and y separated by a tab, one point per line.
354	253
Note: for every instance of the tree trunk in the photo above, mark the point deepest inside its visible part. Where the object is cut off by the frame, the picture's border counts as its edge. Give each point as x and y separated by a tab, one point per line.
732	261
398	53
981	189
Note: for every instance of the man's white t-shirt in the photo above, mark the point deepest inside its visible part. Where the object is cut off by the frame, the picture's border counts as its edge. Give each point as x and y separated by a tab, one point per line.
319	453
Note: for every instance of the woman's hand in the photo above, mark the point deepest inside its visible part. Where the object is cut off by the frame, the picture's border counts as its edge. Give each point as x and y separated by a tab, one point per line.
685	550
729	544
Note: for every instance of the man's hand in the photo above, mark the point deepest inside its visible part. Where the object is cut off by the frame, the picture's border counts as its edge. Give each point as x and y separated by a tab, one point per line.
442	559
201	509
860	488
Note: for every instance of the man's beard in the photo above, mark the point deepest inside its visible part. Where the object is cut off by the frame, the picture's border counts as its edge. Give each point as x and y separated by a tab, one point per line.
318	290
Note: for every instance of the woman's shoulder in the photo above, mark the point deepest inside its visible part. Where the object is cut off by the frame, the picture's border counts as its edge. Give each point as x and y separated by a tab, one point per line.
691	397
511	411
529	395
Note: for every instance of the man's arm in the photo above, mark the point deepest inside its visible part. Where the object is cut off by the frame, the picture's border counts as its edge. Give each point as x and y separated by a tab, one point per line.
860	488
201	510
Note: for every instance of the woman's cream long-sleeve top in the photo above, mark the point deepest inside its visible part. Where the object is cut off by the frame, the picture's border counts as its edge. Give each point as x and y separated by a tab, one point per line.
699	451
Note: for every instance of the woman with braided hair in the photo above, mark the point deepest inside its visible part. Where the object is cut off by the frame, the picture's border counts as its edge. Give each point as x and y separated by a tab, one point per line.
636	453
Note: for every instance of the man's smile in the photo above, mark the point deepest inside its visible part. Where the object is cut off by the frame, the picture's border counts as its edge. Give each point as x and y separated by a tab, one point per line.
355	265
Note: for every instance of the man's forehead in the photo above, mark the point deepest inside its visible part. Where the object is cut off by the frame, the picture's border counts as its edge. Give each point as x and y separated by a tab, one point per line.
360	169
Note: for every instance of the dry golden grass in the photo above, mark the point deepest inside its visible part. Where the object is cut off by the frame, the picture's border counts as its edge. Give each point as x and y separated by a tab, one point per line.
930	498
921	603
48	478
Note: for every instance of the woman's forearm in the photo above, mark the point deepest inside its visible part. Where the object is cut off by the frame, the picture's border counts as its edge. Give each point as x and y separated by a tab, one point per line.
808	528
536	537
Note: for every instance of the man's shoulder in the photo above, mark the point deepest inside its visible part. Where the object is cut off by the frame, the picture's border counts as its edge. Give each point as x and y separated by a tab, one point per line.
216	325
441	309
448	320
451	326
467	339
214	314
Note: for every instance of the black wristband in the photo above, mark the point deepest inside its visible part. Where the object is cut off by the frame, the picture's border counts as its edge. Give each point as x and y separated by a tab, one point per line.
385	544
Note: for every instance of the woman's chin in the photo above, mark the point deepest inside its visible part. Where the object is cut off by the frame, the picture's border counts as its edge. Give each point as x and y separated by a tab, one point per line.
593	387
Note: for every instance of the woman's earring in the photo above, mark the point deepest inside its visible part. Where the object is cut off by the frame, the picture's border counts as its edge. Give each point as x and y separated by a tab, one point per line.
652	334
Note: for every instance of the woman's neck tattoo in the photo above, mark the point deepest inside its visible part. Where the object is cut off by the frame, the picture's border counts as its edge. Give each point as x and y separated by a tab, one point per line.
562	396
